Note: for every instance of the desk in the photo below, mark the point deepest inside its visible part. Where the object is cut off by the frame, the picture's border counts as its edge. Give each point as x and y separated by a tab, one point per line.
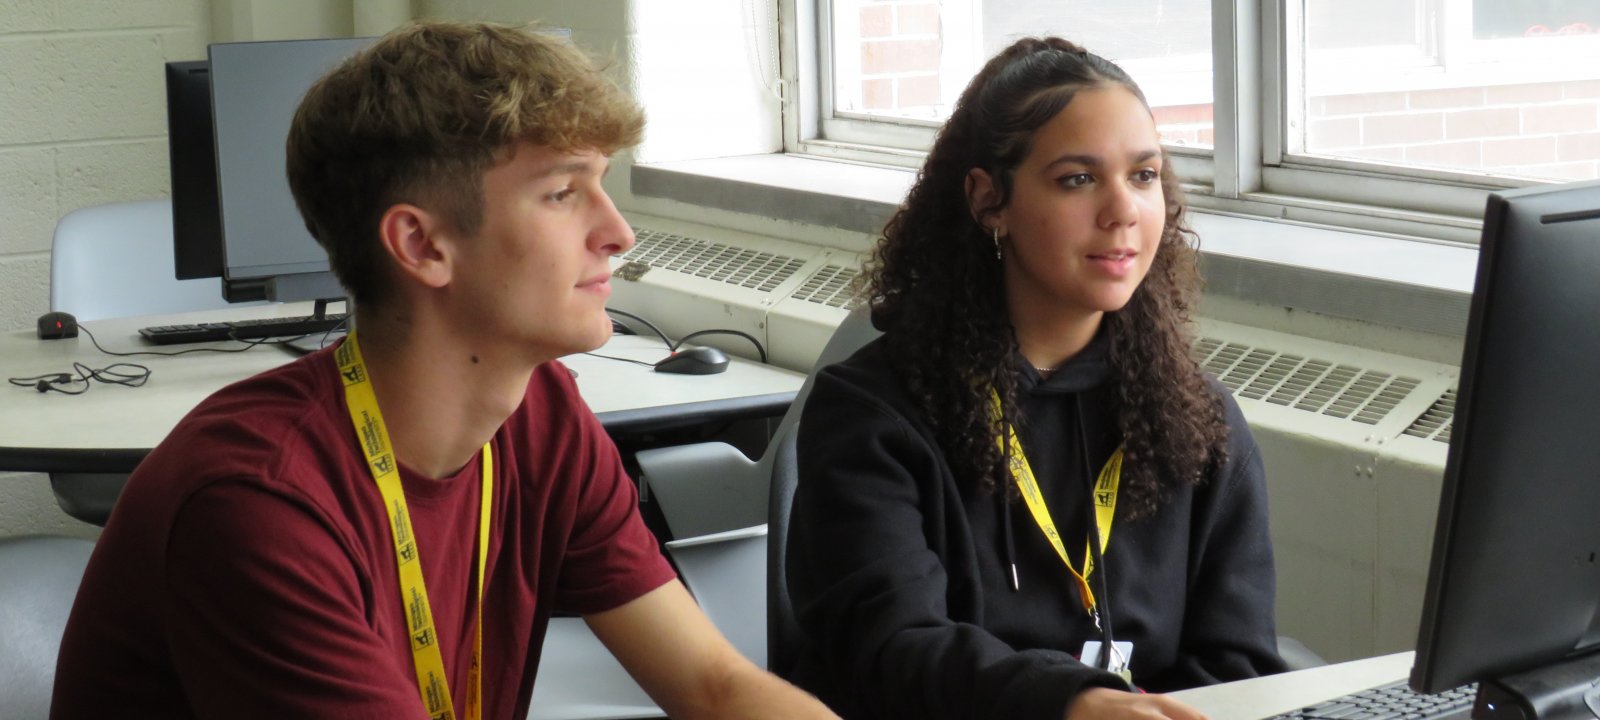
1265	697
1253	699
111	428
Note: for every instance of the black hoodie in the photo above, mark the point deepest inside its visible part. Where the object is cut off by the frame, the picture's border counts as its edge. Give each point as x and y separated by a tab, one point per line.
900	577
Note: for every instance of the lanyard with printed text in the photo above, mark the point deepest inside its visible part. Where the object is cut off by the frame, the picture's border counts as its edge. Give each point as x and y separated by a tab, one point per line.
373	436
1105	509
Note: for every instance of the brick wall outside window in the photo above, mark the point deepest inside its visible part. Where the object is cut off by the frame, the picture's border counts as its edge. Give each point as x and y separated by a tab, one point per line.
900	48
1542	130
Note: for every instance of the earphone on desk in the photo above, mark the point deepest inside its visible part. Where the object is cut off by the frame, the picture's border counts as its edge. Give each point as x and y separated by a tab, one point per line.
44	383
128	374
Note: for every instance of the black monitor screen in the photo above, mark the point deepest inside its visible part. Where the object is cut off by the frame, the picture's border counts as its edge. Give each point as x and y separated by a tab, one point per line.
196	217
1514	584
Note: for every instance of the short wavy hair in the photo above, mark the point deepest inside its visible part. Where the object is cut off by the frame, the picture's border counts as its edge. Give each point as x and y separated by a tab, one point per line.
422	114
938	292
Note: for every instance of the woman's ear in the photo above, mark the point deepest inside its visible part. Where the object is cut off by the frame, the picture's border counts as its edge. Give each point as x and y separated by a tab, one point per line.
982	198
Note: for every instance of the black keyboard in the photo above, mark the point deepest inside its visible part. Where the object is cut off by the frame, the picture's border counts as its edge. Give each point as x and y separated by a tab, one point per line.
1395	701
294	326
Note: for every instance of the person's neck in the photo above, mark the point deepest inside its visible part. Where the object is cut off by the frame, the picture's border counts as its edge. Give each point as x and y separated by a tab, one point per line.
1048	337
442	395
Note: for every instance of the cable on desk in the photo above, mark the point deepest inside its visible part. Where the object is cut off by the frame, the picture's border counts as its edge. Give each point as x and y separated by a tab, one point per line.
673	346
127	374
133	374
759	350
647	323
621	359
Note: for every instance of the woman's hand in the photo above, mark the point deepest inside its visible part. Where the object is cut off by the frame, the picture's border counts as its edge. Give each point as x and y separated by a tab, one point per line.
1108	704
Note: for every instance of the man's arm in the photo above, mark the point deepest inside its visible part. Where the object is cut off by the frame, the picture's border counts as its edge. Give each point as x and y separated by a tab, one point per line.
674	652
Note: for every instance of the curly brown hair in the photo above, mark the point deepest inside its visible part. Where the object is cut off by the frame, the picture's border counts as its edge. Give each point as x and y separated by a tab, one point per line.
937	291
419	117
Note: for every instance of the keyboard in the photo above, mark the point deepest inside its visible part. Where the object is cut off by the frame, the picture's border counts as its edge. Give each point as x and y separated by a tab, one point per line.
293	326
1394	701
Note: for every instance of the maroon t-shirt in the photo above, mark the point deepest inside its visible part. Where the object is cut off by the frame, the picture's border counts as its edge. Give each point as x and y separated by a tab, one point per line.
248	569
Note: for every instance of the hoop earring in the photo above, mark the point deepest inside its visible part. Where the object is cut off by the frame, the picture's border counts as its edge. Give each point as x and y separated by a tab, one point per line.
997	253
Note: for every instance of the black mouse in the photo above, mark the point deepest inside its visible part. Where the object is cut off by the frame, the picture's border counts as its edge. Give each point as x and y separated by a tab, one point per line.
56	325
694	361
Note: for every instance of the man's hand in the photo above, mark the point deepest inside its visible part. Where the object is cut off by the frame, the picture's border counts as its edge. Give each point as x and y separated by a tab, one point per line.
674	652
1108	704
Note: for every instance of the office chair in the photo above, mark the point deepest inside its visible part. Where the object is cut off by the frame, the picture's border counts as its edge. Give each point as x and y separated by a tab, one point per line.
41	574
112	261
579	679
709	488
727	573
116	261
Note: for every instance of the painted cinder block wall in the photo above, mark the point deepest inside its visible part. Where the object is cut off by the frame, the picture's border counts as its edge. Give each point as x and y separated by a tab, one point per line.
82	122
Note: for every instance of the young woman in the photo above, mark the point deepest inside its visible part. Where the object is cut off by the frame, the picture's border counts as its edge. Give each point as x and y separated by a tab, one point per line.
1034	379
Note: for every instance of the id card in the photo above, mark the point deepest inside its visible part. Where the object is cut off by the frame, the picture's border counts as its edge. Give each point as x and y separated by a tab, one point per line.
1121	655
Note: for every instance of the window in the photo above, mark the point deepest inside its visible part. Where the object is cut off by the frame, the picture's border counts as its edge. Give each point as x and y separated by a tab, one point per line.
1484	86
1390	115
905	62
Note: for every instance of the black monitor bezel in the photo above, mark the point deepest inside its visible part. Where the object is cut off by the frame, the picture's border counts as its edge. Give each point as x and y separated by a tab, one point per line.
1455	646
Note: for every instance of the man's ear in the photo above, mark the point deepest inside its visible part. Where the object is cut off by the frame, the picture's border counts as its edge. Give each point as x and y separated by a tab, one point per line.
982	198
416	242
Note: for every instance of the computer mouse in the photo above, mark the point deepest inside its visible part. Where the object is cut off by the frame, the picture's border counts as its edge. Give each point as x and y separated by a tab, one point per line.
56	325
694	361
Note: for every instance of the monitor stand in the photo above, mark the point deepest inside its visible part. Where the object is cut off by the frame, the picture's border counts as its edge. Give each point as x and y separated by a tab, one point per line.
1567	690
317	341
314	342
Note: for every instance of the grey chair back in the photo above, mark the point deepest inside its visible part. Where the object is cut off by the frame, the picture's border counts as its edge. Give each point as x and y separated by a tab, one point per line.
116	260
783	631
725	572
109	261
41	576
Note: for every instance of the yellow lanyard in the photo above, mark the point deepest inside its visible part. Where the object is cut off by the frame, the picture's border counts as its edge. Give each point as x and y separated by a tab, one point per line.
1105	509
374	438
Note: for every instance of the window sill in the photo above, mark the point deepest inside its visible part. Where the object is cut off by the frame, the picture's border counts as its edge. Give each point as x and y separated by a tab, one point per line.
1405	284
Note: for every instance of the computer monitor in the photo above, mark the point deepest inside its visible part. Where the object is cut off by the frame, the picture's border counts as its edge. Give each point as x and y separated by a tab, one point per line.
192	156
263	242
1513	594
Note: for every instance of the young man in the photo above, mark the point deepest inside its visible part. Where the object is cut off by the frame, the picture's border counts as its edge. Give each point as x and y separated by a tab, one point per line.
384	529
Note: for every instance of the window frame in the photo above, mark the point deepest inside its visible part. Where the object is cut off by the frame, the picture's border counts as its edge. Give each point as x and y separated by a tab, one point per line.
1253	168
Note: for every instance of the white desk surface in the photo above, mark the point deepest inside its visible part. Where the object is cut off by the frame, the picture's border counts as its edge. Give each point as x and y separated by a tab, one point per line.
1259	698
128	420
568	685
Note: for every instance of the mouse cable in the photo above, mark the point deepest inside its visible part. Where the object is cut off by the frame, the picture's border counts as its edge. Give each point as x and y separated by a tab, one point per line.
620	359
647	323
673	346
760	350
